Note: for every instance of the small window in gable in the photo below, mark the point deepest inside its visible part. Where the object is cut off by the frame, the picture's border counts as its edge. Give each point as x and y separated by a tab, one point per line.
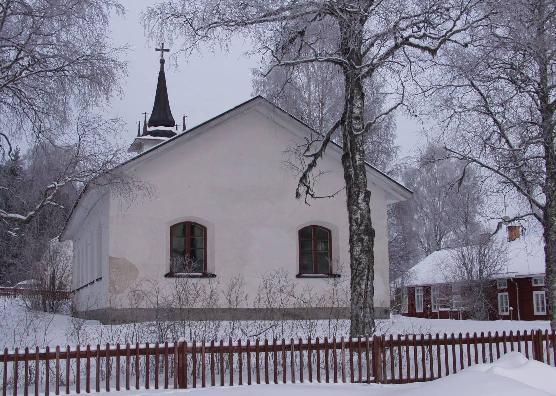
538	281
188	248
502	283
315	250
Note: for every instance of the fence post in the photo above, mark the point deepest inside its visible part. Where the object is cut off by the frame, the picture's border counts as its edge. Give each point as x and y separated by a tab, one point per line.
537	346
181	364
377	359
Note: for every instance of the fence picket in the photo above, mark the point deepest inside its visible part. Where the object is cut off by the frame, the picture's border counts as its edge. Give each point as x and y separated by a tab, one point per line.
212	368
300	361
221	361
194	363
326	355
88	369
5	373
107	364
231	361
343	359
446	363
118	366
156	364
317	350
15	371
166	365
266	361
26	372
284	368
57	389
68	369
240	362
274	361
257	363
37	375
137	376
127	364
292	360
309	360
248	347
334	360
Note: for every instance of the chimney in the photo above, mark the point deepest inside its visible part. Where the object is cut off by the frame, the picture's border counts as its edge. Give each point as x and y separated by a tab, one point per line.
183	127
139	129
514	232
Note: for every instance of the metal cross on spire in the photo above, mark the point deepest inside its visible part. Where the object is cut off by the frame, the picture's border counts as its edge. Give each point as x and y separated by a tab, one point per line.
162	50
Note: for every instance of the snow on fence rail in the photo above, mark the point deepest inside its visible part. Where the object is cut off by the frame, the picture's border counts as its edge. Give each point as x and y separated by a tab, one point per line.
380	359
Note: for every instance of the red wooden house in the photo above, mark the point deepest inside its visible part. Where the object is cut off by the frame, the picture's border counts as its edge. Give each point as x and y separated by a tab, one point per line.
518	292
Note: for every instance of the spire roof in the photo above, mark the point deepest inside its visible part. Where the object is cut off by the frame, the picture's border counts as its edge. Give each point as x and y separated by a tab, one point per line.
161	116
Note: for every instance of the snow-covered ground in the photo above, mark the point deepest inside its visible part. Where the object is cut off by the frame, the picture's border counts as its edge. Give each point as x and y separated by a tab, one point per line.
511	375
20	327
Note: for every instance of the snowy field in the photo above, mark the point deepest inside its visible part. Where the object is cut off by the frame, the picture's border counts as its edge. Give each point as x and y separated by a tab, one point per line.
511	375
20	327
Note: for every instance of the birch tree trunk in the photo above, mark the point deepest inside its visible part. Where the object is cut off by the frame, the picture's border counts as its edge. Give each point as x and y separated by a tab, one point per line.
547	108
361	232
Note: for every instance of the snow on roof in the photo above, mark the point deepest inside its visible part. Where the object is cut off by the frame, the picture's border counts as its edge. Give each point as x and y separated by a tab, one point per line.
524	256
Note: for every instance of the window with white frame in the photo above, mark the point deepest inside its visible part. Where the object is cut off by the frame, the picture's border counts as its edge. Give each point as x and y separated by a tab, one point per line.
404	300
538	281
502	283
503	304
419	299
539	302
435	293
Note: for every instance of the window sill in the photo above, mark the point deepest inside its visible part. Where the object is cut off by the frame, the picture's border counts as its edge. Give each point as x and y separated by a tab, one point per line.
190	275
317	276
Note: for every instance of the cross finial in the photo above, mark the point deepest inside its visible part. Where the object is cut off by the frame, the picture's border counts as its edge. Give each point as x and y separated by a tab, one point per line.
162	50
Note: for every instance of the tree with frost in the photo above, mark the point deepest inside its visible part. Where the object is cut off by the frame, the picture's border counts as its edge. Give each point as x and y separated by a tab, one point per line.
55	63
313	93
371	40
444	212
499	98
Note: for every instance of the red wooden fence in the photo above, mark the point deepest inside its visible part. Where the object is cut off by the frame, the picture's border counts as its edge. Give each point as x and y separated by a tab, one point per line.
381	359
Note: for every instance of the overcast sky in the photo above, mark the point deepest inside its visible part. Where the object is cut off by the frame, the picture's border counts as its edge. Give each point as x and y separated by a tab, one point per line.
200	87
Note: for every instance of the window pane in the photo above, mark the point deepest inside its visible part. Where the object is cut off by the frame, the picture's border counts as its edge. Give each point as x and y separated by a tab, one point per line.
306	263
306	245
197	230
321	233
197	243
197	260
177	240
323	263
322	246
306	233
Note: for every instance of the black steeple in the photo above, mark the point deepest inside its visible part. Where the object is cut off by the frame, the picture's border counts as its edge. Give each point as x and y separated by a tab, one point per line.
161	116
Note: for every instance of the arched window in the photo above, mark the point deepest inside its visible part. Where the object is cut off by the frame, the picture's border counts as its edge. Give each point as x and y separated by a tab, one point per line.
315	250
188	248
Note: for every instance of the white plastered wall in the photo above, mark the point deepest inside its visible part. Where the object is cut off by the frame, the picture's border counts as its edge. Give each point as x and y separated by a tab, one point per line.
235	180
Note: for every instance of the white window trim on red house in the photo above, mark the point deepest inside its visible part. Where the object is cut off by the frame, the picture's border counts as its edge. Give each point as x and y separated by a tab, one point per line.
435	294
419	298
538	307
405	300
503	304
537	281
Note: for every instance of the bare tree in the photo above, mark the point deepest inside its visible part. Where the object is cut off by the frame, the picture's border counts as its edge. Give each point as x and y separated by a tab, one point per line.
313	93
53	55
473	267
445	210
55	64
500	102
372	40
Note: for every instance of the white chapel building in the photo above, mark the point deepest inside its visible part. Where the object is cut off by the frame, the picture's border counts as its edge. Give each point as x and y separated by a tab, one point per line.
218	204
